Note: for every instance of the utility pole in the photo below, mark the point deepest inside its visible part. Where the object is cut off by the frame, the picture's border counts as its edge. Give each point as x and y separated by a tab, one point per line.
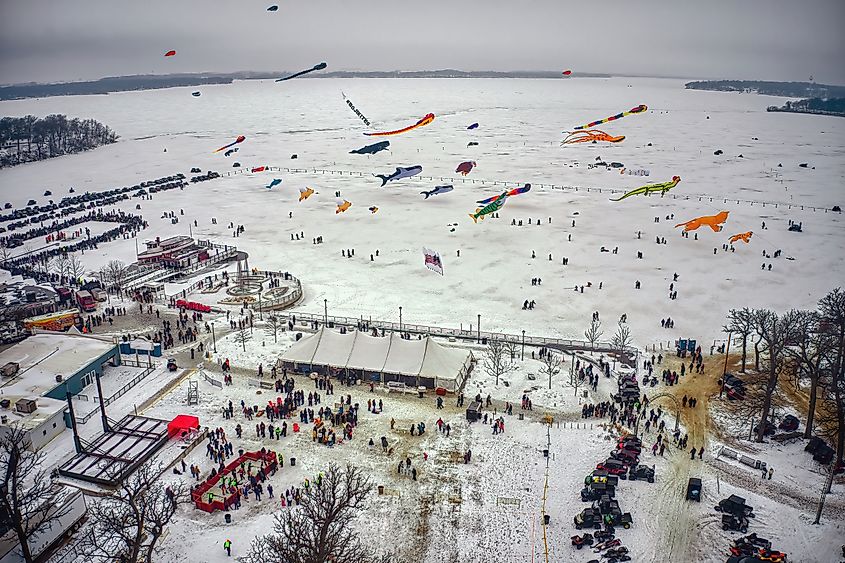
400	319
213	339
479	328
325	312
725	370
523	345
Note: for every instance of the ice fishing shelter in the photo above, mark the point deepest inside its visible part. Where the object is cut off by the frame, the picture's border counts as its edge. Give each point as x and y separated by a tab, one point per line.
384	359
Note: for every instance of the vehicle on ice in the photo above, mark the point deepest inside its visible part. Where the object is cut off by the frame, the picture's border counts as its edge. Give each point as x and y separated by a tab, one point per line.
588	518
614	467
694	489
735	505
581	541
641	472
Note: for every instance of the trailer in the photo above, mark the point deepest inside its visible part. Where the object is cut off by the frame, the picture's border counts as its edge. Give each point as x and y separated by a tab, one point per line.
67	507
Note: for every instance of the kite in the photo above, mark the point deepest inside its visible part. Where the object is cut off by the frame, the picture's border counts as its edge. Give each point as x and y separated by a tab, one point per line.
591	136
422	122
399	174
661	187
712	221
438	190
342	205
515	191
433	261
240	139
372	149
567	72
170	53
320	66
305	193
465	167
196	94
473	126
639	109
230	152
273	8
472	144
354	109
373	209
275	182
491	207
259	169
744	237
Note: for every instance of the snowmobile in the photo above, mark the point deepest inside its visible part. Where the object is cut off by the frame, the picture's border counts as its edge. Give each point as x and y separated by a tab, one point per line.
748	545
599	547
581	541
734	523
772	556
608	533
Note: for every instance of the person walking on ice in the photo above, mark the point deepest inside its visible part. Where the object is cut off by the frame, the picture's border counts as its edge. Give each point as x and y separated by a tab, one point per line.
227	545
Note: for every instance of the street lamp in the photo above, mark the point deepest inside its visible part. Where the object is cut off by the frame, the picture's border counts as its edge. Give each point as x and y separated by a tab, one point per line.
400	319
213	339
523	345
479	328
325	312
725	370
260	317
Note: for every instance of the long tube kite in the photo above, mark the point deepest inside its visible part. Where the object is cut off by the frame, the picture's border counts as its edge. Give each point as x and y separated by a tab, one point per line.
513	192
355	110
422	122
591	136
712	221
661	187
639	109
240	139
320	66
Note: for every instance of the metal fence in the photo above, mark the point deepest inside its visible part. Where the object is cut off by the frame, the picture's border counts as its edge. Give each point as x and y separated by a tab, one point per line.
119	393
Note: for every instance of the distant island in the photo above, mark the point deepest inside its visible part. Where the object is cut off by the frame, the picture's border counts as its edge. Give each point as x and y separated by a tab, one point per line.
818	106
783	89
29	138
157	81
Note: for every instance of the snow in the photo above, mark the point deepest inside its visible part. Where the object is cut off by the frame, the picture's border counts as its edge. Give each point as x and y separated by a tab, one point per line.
455	511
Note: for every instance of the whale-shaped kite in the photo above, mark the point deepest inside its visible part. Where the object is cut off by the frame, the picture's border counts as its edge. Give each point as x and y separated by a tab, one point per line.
400	174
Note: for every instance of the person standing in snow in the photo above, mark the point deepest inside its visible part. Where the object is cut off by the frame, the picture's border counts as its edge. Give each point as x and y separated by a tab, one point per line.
227	545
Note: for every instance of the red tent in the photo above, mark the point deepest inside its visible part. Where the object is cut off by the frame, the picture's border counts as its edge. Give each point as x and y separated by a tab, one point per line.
181	424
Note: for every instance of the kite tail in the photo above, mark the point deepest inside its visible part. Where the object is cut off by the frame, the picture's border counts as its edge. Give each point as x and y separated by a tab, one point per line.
474	218
383	179
426	194
683	224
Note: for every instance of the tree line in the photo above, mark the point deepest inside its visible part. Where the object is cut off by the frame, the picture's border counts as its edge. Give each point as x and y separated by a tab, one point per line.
30	138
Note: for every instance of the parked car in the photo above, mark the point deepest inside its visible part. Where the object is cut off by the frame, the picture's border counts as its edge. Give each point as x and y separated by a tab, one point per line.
614	467
694	489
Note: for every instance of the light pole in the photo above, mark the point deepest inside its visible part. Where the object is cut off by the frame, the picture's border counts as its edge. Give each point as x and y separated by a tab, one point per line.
400	319
479	328
523	345
725	370
213	339
325	312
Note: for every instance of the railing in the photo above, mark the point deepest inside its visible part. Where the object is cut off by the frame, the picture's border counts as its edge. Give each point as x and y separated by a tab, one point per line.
120	392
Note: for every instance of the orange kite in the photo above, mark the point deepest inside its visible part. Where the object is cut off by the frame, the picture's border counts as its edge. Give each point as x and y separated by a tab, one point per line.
591	136
712	221
744	237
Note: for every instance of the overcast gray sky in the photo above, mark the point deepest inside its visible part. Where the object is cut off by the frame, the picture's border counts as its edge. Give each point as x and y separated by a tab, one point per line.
62	40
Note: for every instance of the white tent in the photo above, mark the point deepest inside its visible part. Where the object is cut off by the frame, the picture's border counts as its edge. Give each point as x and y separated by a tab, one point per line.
415	362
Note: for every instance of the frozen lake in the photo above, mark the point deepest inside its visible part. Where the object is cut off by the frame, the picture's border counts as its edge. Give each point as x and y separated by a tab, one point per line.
521	125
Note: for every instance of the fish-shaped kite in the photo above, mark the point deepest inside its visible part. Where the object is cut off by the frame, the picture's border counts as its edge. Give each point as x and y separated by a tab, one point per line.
342	205
491	207
661	187
372	149
472	144
567	72
465	167
438	190
513	192
422	122
240	139
275	182
305	193
399	174
473	126
744	237
170	53
320	66
196	94
273	8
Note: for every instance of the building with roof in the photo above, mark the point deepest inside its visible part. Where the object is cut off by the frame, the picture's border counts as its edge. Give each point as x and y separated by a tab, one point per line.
48	366
385	359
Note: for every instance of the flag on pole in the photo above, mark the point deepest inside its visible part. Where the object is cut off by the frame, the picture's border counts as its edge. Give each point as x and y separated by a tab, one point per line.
433	261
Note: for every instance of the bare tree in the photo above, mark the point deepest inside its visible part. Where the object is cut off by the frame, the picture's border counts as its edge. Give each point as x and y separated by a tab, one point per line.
242	336
5	252
551	365
275	324
622	339
809	352
26	490
594	332
745	413
741	323
58	265
512	348
129	521
496	361
319	530
75	269
832	317
115	275
575	379
776	333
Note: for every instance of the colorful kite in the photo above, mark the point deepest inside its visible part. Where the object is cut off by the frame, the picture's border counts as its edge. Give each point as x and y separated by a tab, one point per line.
355	110
320	66
399	174
513	192
591	136
240	139
438	190
373	209
259	169
422	122
465	167
567	72
662	187
744	237
305	193
433	261
639	109
712	221
491	207
170	53
275	182
342	205
473	126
